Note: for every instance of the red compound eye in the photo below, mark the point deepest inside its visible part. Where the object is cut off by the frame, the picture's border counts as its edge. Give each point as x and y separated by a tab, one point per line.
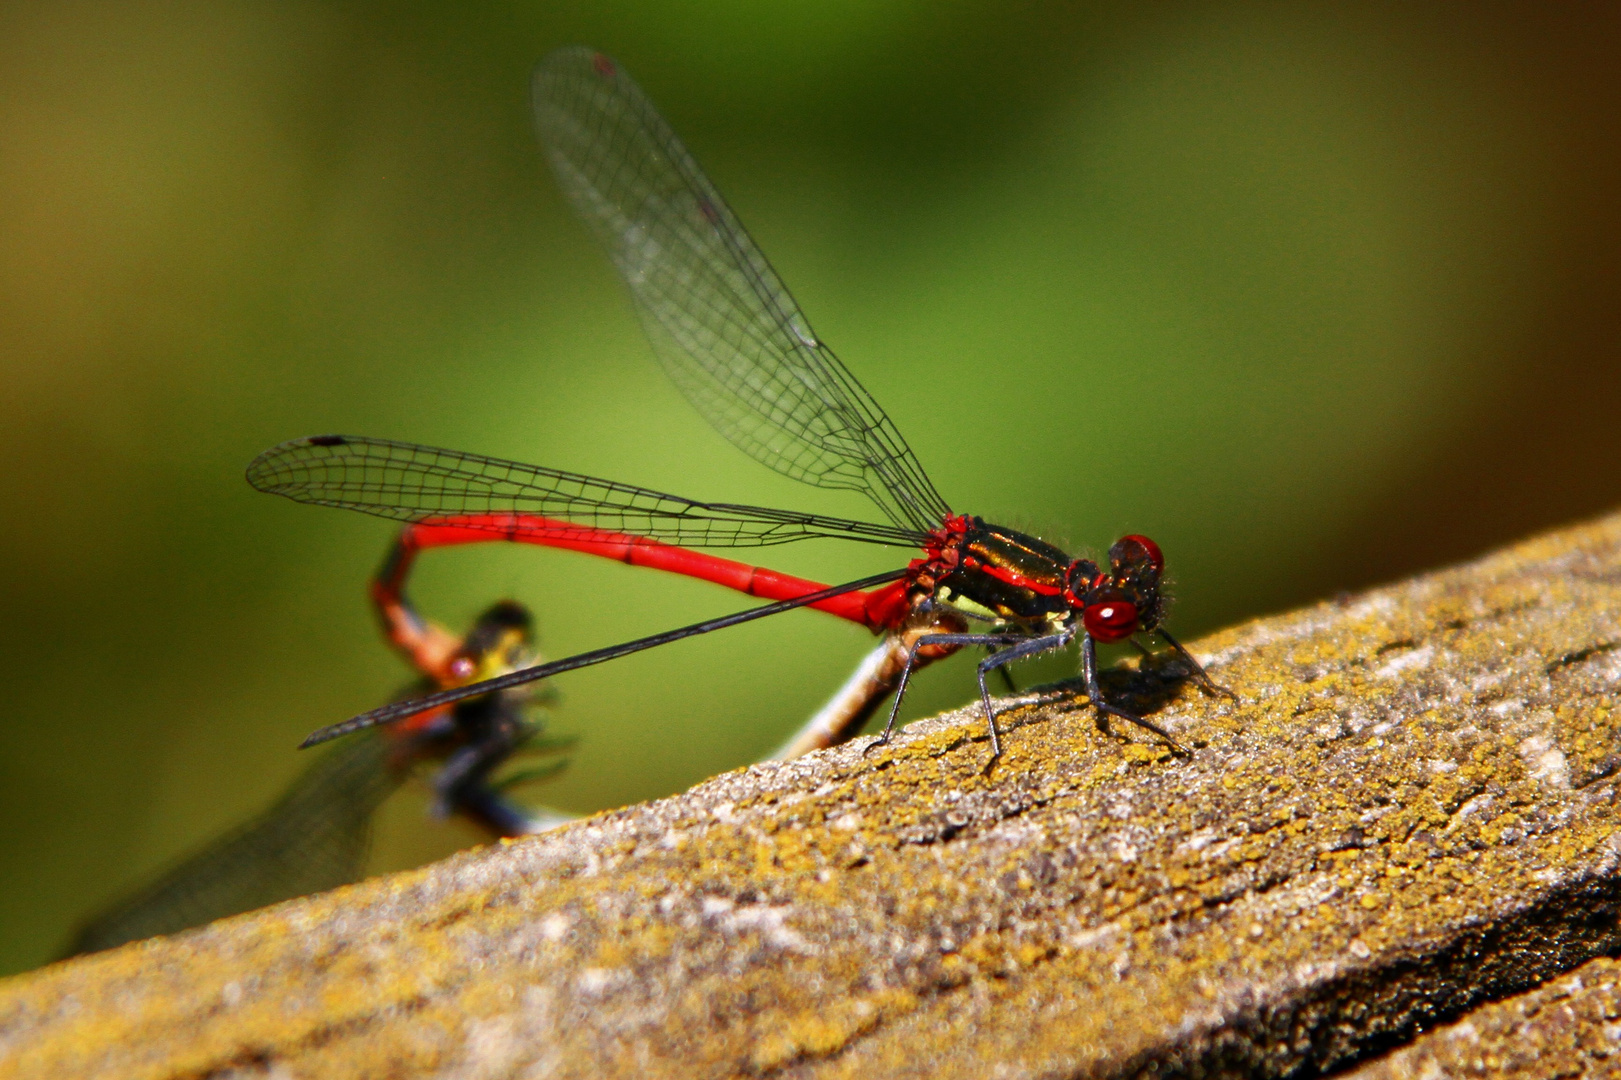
1155	557
463	668
1111	620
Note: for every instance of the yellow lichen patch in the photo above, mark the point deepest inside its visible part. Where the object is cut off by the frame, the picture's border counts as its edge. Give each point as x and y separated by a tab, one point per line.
813	1036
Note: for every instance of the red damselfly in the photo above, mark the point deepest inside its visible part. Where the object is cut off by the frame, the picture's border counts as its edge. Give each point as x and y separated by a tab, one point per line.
315	836
735	342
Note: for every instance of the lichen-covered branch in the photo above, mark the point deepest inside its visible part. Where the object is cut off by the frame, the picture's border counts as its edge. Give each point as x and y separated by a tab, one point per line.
1564	1028
1410	807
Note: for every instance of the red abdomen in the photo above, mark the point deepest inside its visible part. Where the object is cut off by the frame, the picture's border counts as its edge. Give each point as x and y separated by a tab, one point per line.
876	610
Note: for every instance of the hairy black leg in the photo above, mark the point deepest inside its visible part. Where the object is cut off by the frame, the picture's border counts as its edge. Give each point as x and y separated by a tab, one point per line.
1017	651
1205	682
911	656
1007	675
1089	666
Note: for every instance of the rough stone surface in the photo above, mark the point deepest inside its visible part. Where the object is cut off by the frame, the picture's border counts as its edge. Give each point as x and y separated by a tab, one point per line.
1570	1027
1410	809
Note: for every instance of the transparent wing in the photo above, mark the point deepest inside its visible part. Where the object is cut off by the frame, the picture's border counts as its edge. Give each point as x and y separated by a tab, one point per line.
721	321
420	483
313	839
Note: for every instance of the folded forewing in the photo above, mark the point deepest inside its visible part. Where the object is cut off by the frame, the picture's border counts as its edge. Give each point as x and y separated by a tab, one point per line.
720	319
412	483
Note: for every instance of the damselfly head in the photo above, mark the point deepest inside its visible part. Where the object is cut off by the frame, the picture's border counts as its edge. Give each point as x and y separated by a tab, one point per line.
1118	602
1108	611
498	642
1135	566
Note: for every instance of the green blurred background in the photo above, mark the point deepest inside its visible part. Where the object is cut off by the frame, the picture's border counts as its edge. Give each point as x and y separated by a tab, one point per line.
1315	294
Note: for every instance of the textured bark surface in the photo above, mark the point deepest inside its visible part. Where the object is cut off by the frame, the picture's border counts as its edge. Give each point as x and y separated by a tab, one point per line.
1565	1028
1410	809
